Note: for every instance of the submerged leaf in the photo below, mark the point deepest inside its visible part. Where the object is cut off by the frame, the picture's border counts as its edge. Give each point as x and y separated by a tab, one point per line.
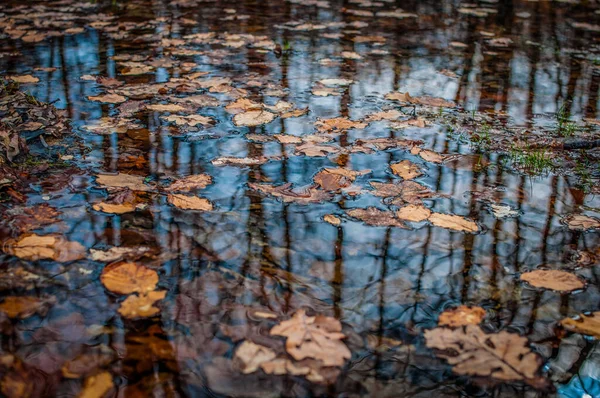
553	279
22	306
585	324
461	316
375	217
317	337
34	247
141	306
97	386
128	277
503	356
251	356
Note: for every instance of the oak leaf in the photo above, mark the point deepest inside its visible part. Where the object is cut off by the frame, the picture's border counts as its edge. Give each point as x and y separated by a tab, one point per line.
580	222
190	183
189	202
251	356
338	124
414	213
253	118
375	217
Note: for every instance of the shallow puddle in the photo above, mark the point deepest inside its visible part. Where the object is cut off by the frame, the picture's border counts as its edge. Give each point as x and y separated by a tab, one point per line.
250	203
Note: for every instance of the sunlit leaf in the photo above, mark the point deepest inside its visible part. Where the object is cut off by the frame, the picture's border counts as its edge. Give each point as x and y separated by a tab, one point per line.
128	277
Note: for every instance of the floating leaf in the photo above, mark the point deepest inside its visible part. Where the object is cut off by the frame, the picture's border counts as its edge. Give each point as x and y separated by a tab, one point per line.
333	220
404	192
232	161
190	183
190	120
336	82
334	179
114	208
454	222
97	386
414	213
428	156
317	337
251	356
23	306
128	277
503	356
579	222
108	98
34	247
189	202
375	217
315	150
384	115
553	279
338	125
24	79
288	193
121	180
502	211
172	108
406	169
243	105
253	118
461	316
585	324
141	306
117	253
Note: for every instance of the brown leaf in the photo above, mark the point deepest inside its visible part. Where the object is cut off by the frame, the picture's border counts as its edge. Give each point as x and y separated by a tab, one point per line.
454	222
127	277
334	179
553	279
189	202
315	150
584	324
121	180
428	156
232	161
97	386
317	337
405	192
34	247
117	253
243	105
190	183
406	169
24	79
141	306
108	98
384	115
253	118
114	208
251	356
503	356
333	220
414	213
461	316
286	192
579	222
338	125
375	217
189	120
23	306
171	108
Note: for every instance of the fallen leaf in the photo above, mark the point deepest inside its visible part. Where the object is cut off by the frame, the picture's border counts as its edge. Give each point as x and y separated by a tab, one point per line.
189	202
333	220
502	211
288	139
288	193
172	108
375	217
414	213
585	324
384	115
294	113
189	120
282	366
315	150
117	253
97	386
336	82
34	247
128	277
251	356
253	118
243	105
404	192
338	124
190	183
334	179
141	306
406	169
428	156
579	222
114	208
24	79
553	279
121	180
317	337
461	316
454	222
232	161
22	307
108	98
503	356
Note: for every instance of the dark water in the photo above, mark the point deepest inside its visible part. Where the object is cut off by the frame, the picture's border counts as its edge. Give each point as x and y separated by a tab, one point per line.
254	252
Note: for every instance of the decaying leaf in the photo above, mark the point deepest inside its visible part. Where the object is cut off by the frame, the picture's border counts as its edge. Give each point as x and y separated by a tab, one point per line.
189	120
34	247
375	217
253	118
502	211
251	356
141	306
384	115
233	161
454	222
128	277
117	253
288	193
23	306
461	316
406	169
115	208
405	192
428	156
338	124
553	279
122	180
334	179
97	386
189	202
108	98
190	183
585	324
315	150
317	337
414	213
428	101
172	108
503	356
580	222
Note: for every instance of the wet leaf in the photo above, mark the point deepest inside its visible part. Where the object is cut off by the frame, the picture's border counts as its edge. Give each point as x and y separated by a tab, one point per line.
406	169
121	180
428	156
503	356
190	183
335	179
336	82
315	150
97	386
502	211
333	220
141	306
375	217
338	125
24	79
108	98
189	202
251	356
128	277
317	337
115	208
171	108
23	306
232	161
253	118
580	222
243	105
461	316
414	213
384	115
191	120
453	222
405	192
288	193
553	279
34	247
87	363
588	324
117	253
